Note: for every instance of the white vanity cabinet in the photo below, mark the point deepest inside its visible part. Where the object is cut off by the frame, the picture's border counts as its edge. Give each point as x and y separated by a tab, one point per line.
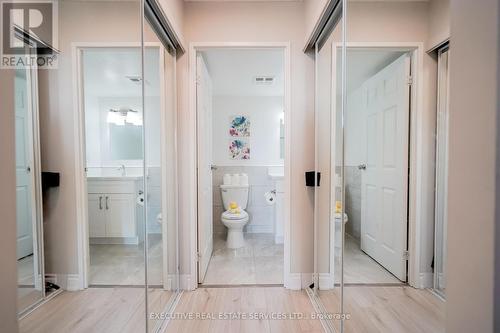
112	210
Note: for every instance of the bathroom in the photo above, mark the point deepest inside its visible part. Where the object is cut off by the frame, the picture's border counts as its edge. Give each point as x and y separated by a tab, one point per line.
245	97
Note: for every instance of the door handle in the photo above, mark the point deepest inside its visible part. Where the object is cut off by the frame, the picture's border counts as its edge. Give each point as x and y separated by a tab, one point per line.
100	202
213	167
107	206
362	167
28	169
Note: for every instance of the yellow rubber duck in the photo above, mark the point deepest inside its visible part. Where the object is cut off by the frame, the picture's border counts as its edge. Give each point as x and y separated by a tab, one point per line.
234	208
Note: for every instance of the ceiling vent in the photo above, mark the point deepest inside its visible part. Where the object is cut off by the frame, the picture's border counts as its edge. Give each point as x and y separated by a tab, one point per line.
137	79
264	80
134	78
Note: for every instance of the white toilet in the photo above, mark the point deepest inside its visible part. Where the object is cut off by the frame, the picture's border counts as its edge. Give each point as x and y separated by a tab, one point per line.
234	222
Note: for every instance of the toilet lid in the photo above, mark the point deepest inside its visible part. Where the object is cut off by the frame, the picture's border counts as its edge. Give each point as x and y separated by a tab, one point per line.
230	216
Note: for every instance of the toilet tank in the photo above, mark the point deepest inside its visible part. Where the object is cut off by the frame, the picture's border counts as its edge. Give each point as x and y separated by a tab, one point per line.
236	193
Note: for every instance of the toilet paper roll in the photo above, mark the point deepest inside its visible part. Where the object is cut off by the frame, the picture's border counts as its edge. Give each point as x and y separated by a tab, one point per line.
235	179
226	179
270	197
140	200
244	179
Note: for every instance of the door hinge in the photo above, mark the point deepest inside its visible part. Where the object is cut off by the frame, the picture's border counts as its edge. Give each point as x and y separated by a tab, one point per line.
409	80
406	255
198	256
197	80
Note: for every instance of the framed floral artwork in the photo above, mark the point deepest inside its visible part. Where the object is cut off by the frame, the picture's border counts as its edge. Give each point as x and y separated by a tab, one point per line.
239	149
239	126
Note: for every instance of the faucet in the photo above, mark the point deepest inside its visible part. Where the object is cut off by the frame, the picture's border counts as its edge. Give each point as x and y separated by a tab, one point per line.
122	168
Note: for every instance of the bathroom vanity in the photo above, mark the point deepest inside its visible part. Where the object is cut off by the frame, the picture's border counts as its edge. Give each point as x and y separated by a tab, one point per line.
113	209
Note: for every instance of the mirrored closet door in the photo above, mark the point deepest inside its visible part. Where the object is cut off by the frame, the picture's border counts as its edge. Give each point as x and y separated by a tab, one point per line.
29	254
328	209
102	121
381	89
160	203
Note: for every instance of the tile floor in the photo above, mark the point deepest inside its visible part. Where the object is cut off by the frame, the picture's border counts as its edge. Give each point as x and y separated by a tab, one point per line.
361	268
119	264
259	262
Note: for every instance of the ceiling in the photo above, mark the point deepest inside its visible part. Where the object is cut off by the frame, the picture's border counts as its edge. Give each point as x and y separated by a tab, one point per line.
105	72
233	71
363	64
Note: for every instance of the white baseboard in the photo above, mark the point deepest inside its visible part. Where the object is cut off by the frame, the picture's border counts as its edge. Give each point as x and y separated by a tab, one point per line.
69	282
187	282
298	281
426	280
326	281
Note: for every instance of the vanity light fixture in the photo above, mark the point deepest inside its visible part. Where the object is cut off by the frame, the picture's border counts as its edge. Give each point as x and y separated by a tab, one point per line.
124	115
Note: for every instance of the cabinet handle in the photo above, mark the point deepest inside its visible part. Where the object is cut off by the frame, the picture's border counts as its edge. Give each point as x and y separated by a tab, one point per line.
100	202
107	206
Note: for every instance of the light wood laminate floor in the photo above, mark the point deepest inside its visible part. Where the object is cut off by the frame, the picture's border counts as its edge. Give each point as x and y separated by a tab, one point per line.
262	300
372	309
110	310
375	309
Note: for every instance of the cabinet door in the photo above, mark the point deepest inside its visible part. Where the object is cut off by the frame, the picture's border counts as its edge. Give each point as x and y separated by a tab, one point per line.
121	215
97	215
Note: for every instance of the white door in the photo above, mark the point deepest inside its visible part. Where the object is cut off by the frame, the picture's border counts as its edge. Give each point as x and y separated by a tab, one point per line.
24	174
204	120
385	180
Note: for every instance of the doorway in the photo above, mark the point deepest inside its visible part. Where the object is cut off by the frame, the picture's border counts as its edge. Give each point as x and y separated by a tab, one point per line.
241	106
376	166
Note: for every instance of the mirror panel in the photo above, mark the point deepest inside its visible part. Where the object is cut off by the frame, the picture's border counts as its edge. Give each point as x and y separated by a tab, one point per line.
328	193
28	196
160	181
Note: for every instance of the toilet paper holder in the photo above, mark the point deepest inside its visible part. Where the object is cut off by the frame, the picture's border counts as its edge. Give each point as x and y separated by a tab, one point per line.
270	197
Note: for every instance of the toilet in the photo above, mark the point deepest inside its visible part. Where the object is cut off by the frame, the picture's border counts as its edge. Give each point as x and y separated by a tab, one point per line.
235	222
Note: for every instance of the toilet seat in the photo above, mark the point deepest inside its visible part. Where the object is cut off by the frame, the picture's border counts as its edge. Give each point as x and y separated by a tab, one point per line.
230	216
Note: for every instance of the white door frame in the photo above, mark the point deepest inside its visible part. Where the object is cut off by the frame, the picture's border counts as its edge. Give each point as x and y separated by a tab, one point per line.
416	190
191	282
80	153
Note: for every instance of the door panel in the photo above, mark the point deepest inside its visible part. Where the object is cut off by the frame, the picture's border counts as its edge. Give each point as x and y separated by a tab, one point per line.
24	181
205	215
385	180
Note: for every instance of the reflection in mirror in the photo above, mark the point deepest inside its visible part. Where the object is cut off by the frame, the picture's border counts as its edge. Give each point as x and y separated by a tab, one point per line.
328	195
441	171
160	181
389	165
112	95
29	262
107	127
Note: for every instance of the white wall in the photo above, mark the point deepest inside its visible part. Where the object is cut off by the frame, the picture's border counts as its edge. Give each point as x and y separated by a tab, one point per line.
473	121
264	114
313	11
355	130
253	22
174	10
439	22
